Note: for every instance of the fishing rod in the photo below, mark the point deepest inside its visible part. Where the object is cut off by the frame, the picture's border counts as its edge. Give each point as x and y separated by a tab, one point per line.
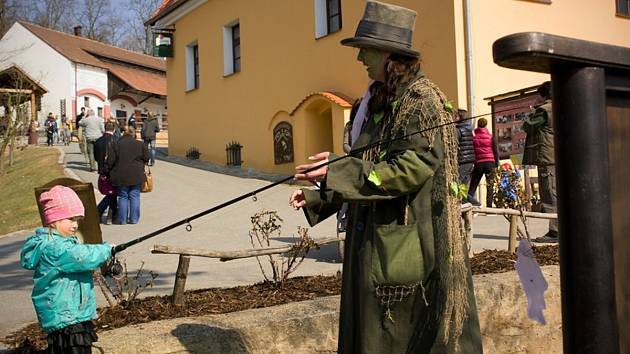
252	194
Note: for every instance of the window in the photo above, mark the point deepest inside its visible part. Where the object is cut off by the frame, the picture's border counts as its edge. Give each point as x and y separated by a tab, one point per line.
236	47
333	15
623	7
192	66
86	101
99	112
231	48
62	107
327	17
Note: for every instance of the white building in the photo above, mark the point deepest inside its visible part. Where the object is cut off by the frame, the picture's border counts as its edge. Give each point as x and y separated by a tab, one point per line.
80	72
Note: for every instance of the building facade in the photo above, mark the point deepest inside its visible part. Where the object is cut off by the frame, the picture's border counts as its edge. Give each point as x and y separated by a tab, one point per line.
273	76
79	72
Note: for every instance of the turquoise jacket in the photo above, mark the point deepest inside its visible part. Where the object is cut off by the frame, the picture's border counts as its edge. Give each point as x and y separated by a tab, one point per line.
63	290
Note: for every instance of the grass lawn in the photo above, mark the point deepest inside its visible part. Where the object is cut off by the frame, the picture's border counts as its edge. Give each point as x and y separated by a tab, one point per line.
32	167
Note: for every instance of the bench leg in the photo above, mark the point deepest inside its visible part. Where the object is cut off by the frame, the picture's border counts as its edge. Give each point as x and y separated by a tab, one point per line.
467	216
180	280
513	233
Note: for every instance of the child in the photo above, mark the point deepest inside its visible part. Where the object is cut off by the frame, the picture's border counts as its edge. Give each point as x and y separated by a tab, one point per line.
63	291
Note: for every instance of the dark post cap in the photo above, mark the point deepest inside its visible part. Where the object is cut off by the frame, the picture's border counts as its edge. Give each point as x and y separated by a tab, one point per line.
536	51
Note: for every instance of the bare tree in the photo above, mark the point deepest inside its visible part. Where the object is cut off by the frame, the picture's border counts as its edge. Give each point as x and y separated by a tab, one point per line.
54	14
15	116
11	11
140	37
92	15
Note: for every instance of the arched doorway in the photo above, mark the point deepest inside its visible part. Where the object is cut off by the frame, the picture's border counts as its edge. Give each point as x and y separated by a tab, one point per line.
318	127
318	121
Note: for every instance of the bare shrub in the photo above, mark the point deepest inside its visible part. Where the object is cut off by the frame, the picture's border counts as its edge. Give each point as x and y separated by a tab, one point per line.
266	225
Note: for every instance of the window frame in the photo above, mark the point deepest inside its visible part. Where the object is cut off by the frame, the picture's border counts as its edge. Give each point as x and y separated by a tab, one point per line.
324	16
193	69
229	49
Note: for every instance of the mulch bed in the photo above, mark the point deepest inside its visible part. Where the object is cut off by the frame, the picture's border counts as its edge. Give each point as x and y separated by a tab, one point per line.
30	339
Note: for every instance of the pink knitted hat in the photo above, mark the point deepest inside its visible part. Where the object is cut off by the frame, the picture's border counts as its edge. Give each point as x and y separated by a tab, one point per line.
60	203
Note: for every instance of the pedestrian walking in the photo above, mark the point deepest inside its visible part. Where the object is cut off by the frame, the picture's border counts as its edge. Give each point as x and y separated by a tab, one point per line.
66	132
406	286
80	135
126	170
486	163
466	150
102	148
63	290
93	129
51	128
150	127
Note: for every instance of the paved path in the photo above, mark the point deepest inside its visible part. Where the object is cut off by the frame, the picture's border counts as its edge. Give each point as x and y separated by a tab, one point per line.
182	191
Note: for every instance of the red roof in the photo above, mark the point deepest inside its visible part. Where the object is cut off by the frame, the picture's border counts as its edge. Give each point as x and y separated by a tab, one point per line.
141	80
142	72
166	7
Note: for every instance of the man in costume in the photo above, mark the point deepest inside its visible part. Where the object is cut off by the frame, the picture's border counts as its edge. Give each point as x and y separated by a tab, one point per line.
407	286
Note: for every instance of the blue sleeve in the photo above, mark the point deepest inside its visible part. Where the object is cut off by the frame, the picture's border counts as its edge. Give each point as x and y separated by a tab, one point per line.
81	258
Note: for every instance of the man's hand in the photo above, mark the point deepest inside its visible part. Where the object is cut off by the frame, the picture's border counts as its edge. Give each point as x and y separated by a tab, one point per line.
317	175
297	200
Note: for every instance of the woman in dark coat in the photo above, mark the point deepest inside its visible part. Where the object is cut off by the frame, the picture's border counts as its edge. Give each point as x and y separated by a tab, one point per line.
407	286
126	165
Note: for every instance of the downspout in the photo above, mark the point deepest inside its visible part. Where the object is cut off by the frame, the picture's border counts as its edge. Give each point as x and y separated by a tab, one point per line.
76	97
469	60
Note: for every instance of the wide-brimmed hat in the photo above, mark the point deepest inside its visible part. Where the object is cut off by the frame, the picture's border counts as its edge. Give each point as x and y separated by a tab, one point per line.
386	27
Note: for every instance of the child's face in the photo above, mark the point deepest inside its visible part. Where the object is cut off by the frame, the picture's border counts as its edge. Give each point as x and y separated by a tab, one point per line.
67	227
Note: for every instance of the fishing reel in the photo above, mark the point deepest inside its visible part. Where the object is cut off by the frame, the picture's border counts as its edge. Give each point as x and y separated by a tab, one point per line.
112	267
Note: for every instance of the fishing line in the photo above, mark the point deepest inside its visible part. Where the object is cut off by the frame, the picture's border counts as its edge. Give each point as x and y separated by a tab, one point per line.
253	195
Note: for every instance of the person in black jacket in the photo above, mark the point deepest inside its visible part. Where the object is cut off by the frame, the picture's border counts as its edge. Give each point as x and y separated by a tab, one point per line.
104	146
466	151
126	165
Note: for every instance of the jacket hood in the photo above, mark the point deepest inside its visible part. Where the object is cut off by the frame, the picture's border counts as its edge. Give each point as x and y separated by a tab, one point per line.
32	249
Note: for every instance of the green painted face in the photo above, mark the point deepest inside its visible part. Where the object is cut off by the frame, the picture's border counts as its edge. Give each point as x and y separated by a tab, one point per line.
374	60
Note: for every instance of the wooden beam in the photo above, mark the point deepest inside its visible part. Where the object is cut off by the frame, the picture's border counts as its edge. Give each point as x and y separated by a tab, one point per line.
529	214
230	255
10	90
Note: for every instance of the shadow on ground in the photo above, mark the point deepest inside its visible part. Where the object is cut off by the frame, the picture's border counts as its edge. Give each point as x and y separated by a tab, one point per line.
196	338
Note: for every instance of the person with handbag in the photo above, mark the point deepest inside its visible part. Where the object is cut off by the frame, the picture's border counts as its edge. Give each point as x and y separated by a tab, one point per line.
407	285
126	165
102	147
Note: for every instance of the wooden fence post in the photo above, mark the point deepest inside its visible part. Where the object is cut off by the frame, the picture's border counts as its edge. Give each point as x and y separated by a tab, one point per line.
180	279
513	232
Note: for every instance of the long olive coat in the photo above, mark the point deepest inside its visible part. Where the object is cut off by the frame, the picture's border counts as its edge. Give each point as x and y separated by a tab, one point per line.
390	300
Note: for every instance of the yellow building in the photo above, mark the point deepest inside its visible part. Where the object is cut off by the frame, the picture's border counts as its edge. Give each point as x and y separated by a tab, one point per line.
271	74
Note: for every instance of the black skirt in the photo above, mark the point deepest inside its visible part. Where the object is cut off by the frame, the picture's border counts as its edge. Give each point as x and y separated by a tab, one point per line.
74	339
